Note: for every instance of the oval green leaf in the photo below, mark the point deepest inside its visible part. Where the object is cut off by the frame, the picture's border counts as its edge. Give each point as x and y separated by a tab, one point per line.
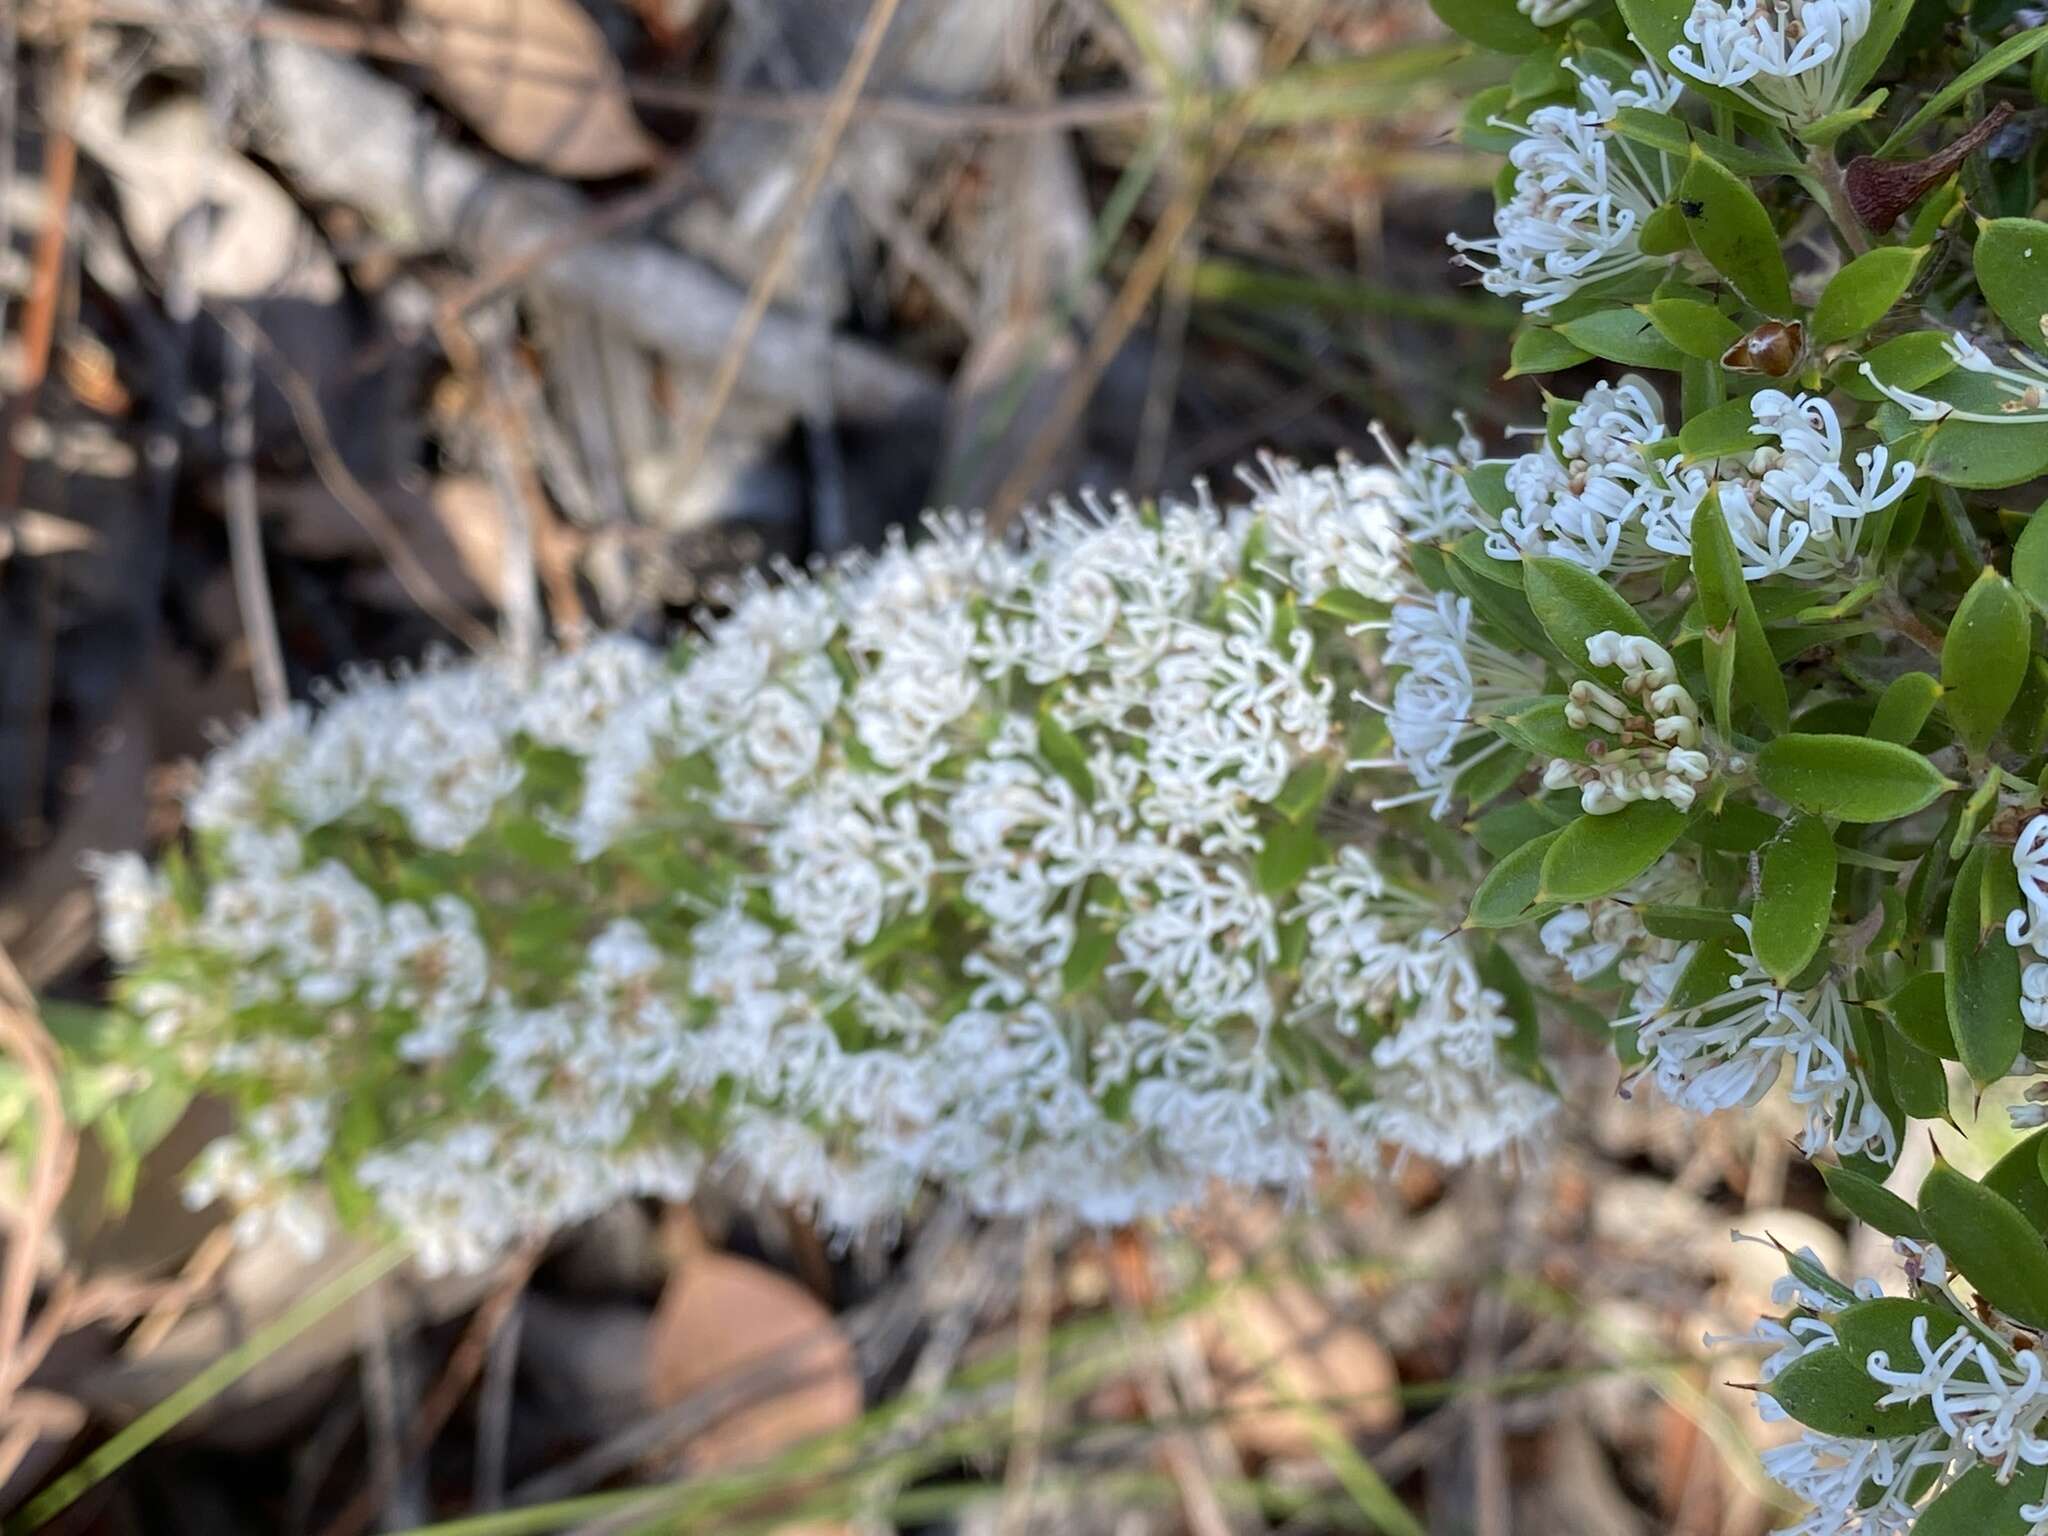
1863	292
1989	1241
2030	556
1730	228
1984	659
1904	707
2012	269
1696	329
1598	855
1849	778
1507	895
1623	336
1795	897
1981	972
1572	604
1870	1202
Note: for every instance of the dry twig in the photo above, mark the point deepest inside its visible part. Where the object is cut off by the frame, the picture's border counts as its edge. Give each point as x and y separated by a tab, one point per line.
1146	274
340	480
866	48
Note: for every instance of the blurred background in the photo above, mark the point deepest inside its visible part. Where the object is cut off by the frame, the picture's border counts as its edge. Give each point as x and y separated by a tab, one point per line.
340	331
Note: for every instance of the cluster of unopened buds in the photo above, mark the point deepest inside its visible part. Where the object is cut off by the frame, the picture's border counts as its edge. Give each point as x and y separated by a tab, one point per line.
1656	751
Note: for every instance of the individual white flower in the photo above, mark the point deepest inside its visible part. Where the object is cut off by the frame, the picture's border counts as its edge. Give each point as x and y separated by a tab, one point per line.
329	931
1582	195
448	761
432	964
1436	506
1591	498
1787	58
1728	1049
1332	527
1451	676
242	781
577	691
1646	746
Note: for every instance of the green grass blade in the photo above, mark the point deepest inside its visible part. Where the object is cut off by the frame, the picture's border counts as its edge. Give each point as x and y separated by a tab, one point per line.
1993	64
203	1388
1223	282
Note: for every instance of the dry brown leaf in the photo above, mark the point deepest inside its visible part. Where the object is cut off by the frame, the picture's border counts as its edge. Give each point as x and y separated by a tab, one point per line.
1275	1344
535	80
722	1319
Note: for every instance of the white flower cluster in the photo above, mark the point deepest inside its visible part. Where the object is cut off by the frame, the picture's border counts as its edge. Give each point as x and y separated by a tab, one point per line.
948	864
1655	751
1596	497
1976	1375
1726	1043
1789	59
1582	195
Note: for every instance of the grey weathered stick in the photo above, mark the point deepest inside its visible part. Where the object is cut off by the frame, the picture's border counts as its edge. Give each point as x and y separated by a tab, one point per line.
349	136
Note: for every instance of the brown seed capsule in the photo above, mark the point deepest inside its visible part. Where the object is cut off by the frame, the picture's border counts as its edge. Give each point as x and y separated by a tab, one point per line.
1773	348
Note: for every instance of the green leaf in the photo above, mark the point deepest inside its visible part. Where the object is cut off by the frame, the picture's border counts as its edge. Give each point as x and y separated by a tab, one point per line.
1349	606
1507	895
1907	702
1487	775
1488	483
1572	605
1729	612
1744	161
1696	329
1730	228
1291	850
1664	232
1598	855
1917	1079
2018	1177
1542	350
1828	1390
1476	126
1863	292
1990	67
1978	1504
1794	898
1303	793
1849	778
2030	557
1723	431
1870	1202
1919	1012
1540	726
1661	131
1622	336
1980	971
1983	659
1094	945
1495	24
1064	754
1986	456
1989	1240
